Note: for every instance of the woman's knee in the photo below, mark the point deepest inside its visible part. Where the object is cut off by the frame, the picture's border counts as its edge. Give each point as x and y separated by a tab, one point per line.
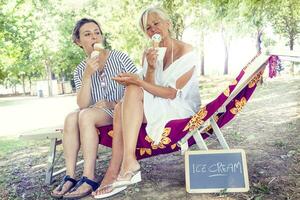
134	90
71	121
85	117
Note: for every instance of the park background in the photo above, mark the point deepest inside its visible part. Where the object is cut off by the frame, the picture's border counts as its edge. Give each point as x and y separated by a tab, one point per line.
36	43
37	60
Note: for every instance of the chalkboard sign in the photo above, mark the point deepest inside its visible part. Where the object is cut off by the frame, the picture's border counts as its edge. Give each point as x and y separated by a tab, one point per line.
216	171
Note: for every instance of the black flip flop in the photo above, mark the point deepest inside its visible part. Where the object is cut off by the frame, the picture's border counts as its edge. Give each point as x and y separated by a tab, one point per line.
62	183
83	180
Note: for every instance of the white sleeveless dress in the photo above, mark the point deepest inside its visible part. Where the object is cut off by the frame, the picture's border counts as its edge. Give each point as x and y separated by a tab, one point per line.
158	111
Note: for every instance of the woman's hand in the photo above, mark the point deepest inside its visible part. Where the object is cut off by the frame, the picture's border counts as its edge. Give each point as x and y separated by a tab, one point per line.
96	63
127	79
151	56
92	65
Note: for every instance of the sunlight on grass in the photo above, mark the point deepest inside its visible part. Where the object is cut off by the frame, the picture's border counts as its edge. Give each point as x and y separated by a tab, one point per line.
11	101
13	144
8	103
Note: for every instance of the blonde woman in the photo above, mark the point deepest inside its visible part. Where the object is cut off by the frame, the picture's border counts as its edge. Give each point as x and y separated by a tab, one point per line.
167	90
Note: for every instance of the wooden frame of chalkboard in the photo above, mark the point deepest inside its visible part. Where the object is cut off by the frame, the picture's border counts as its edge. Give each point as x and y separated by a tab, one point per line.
211	171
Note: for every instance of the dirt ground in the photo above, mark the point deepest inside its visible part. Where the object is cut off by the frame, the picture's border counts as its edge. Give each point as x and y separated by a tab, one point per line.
268	129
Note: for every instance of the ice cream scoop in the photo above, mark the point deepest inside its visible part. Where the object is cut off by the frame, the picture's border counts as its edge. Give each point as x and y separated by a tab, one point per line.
98	46
156	38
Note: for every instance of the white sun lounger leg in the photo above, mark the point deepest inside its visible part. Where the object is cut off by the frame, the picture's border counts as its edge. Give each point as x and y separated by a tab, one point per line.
199	140
183	143
218	133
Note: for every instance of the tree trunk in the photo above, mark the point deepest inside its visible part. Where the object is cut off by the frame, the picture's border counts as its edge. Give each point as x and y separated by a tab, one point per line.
49	77
202	63
202	53
62	83
258	40
30	89
14	89
258	47
291	43
226	60
225	50
23	85
292	39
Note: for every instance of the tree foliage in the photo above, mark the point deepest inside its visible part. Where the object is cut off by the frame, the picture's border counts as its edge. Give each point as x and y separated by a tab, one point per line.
35	36
286	20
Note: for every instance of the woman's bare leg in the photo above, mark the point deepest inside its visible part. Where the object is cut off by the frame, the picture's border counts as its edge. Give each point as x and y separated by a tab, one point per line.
132	118
117	153
89	119
71	145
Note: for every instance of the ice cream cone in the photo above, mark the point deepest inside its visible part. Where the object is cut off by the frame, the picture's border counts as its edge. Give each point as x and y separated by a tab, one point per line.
156	38
95	54
98	47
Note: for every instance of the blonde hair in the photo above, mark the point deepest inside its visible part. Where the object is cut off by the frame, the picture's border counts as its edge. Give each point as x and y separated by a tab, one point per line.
159	11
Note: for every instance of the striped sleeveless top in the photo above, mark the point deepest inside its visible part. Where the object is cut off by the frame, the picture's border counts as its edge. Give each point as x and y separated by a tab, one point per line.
102	86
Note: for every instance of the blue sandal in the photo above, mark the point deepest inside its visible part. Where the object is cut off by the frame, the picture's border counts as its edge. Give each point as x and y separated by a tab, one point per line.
83	180
62	183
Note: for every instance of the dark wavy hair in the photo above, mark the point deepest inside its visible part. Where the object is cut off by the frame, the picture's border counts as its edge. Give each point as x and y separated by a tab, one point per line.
79	24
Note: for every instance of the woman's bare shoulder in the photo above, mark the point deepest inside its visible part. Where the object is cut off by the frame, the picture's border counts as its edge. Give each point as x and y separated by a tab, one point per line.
184	47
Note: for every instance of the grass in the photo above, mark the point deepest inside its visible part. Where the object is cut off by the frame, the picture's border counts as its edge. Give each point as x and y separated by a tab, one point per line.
19	159
261	188
223	193
13	144
15	101
237	136
8	103
280	144
290	126
8	145
260	197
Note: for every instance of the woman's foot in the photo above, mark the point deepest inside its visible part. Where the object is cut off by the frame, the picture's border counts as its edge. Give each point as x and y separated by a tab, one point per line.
109	178
66	185
130	174
107	188
127	170
83	188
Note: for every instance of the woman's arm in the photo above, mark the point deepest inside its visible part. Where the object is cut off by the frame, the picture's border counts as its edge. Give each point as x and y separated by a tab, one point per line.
156	90
160	91
151	56
84	93
150	76
129	79
168	92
